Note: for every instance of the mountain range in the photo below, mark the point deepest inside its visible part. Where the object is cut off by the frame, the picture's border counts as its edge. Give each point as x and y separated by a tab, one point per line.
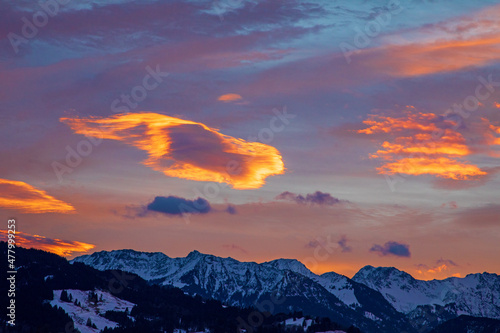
53	296
382	299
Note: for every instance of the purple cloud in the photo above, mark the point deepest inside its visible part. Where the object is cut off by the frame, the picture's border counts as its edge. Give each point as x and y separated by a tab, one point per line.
392	248
173	205
231	209
318	198
343	244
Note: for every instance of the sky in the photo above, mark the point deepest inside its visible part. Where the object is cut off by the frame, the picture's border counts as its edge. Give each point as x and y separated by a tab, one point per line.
338	133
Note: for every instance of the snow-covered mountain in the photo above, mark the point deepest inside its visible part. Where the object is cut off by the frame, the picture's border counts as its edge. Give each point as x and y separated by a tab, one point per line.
376	299
278	285
86	310
475	295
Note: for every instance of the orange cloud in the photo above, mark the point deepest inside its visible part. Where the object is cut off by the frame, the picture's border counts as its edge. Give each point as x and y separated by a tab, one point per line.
186	149
28	199
229	98
60	247
421	147
469	41
441	167
497	105
440	56
382	124
440	270
492	136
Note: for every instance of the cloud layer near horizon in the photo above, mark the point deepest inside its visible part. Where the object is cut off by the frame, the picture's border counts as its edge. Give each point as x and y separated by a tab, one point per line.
186	149
64	248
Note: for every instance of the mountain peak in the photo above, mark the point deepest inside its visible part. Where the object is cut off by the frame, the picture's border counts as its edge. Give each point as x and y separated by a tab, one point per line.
370	272
194	253
288	264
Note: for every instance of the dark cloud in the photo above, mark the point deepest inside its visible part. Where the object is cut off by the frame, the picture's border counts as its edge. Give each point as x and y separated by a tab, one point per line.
343	244
392	248
446	262
318	197
177	206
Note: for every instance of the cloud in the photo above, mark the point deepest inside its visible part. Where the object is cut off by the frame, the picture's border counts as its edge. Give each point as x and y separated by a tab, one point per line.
231	209
424	143
442	266
186	149
318	198
329	244
446	262
457	44
60	247
343	244
234	247
480	216
28	199
453	184
438	166
229	98
451	205
392	248
173	205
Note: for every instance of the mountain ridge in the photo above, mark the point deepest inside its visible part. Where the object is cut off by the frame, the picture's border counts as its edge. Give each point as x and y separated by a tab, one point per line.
277	259
376	297
249	283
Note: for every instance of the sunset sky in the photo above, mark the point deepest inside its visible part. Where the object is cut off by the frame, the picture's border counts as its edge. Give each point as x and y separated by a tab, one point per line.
339	133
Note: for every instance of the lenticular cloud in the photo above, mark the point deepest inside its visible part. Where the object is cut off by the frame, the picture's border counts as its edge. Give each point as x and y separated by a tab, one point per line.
186	149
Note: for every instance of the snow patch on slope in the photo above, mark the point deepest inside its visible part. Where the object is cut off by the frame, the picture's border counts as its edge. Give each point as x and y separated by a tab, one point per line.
80	314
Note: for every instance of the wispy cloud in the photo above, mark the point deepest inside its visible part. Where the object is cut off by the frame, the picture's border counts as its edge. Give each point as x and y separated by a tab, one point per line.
60	247
234	247
342	244
464	42
28	199
318	198
441	267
